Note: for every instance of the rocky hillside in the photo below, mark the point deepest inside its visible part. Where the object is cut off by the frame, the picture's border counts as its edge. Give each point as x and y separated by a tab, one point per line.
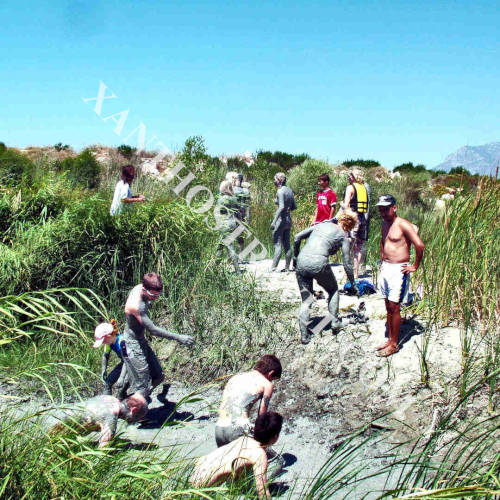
481	160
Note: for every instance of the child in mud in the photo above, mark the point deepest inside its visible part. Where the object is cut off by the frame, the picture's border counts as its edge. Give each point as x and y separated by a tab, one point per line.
107	334
233	459
240	394
99	413
142	368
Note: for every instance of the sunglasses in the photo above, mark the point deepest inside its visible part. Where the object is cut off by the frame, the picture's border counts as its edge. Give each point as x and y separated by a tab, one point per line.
152	294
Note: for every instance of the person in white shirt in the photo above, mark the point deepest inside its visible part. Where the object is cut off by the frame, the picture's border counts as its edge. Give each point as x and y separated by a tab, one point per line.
123	193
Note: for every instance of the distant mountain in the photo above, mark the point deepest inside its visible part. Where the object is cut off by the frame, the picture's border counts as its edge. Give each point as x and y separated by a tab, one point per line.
476	159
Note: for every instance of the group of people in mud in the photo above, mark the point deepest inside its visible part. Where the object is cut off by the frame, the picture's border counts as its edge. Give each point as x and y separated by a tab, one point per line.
240	444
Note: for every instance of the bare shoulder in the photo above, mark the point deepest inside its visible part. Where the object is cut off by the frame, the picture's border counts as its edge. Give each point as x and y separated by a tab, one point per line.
406	225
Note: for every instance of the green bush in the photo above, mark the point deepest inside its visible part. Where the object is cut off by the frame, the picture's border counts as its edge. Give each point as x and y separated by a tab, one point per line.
14	167
83	170
303	180
126	151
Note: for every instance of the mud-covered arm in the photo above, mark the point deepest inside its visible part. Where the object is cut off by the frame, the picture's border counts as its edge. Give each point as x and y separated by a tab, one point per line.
161	332
298	239
108	429
104	362
281	207
347	259
266	398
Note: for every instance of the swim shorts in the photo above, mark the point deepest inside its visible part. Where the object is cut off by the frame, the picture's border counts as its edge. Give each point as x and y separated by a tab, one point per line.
392	283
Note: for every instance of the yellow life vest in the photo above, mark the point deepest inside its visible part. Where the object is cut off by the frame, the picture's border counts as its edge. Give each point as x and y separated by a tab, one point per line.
359	200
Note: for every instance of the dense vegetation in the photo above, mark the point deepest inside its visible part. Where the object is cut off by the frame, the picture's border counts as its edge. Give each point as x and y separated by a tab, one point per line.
65	263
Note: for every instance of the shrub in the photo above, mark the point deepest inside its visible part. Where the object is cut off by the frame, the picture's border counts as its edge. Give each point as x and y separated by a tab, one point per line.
14	167
361	163
83	170
126	151
303	180
59	146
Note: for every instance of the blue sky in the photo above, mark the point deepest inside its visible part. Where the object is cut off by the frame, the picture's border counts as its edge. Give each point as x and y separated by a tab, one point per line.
393	81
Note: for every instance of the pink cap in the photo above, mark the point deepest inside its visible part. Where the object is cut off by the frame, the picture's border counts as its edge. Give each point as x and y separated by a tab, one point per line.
101	331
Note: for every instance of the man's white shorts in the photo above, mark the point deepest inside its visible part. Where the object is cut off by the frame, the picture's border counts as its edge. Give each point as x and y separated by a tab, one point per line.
392	283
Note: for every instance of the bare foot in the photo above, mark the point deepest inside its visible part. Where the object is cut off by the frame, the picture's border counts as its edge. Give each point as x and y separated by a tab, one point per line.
383	346
388	351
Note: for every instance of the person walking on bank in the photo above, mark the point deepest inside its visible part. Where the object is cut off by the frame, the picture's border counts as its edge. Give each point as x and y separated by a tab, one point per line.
324	239
282	222
326	200
123	193
398	235
357	198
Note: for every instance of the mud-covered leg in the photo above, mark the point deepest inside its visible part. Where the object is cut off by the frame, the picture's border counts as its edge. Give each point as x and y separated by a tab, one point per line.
306	294
278	246
233	256
327	280
287	248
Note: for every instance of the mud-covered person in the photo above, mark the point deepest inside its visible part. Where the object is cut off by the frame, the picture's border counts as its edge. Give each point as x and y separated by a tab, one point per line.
282	222
398	235
227	208
123	192
100	413
144	369
234	459
242	391
312	263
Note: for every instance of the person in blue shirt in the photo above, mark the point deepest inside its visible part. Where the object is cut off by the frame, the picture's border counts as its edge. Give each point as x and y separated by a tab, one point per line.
107	334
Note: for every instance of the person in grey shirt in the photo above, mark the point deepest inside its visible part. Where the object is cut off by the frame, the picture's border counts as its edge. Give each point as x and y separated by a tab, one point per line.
99	413
323	240
142	368
282	222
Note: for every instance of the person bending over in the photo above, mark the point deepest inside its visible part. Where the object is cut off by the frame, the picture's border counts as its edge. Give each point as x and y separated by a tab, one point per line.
282	222
242	391
141	363
232	460
398	235
323	240
99	413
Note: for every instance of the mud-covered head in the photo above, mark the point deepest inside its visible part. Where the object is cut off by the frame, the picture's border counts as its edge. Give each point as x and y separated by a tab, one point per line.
152	286
347	220
128	173
232	177
270	366
226	187
134	408
279	179
268	427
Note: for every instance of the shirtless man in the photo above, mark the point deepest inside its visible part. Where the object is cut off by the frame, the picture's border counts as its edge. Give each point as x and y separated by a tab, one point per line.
100	413
323	239
231	460
397	236
240	394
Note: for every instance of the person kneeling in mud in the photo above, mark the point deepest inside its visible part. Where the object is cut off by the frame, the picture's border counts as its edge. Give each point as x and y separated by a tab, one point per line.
99	413
233	459
142	368
242	391
324	239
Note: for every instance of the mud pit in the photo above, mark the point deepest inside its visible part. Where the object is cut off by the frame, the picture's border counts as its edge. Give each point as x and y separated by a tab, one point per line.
329	388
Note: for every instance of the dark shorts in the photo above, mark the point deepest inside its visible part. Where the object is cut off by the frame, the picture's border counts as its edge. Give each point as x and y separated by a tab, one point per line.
360	234
227	434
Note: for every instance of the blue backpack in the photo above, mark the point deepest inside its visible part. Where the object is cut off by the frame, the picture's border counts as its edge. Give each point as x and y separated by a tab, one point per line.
365	287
